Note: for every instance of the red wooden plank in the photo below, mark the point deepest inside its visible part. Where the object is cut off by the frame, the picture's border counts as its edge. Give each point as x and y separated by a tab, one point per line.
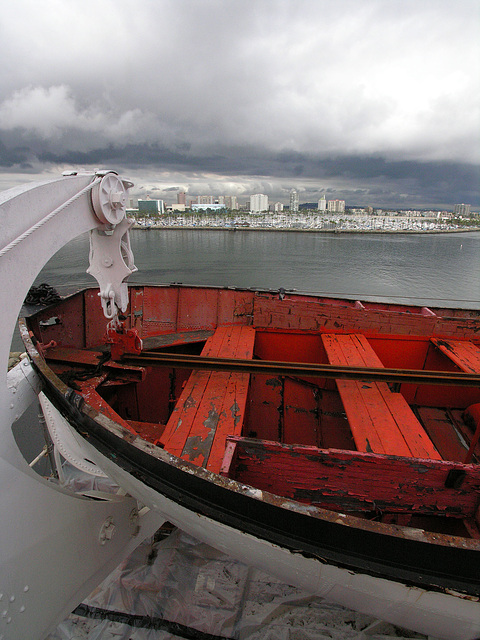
353	481
203	427
233	406
357	352
463	353
329	315
212	404
442	433
367	356
417	439
91	358
381	421
181	420
231	417
87	390
359	407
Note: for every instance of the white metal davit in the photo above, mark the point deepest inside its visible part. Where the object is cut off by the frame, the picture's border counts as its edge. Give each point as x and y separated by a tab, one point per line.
55	545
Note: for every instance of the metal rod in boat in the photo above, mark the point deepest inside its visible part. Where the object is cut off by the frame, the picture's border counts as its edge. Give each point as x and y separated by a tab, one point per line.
303	369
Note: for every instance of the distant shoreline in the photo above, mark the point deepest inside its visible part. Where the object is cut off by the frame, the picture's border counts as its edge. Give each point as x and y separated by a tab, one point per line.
327	231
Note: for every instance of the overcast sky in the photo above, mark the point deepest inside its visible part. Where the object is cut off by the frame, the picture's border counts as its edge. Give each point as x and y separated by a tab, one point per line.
372	101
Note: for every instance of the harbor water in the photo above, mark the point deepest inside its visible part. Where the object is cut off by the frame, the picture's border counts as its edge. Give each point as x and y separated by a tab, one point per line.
437	269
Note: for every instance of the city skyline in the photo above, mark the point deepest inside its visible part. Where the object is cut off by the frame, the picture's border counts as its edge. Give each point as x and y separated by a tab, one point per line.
260	202
375	103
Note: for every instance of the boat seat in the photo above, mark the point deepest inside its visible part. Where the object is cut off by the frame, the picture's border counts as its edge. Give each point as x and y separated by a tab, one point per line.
381	420
466	356
212	404
463	353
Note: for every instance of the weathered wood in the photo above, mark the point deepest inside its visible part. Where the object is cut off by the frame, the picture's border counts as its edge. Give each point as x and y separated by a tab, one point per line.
87	389
213	404
442	433
150	431
93	358
463	353
172	339
180	422
466	356
381	420
355	481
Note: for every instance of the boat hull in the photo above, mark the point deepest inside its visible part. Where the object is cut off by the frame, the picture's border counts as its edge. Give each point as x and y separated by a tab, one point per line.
404	575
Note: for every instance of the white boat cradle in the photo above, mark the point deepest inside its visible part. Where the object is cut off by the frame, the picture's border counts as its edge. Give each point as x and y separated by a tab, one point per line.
70	542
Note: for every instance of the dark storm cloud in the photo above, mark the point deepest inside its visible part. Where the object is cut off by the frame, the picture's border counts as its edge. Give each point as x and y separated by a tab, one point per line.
371	97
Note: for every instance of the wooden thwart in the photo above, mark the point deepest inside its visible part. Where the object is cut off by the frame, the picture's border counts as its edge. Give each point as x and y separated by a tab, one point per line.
381	421
212	404
463	353
466	356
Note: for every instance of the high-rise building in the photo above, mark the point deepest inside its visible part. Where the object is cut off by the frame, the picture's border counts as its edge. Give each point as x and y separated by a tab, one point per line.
151	207
181	197
322	204
231	203
258	203
278	206
294	200
336	206
462	209
206	200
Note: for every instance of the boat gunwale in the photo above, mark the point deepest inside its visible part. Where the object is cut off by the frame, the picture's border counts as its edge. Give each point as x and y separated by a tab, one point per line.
441	313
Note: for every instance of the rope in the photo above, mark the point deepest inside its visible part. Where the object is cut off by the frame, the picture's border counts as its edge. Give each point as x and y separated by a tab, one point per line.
43	294
71	375
48	217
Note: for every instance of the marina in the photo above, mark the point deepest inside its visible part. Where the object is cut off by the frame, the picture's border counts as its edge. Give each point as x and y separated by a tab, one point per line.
394	223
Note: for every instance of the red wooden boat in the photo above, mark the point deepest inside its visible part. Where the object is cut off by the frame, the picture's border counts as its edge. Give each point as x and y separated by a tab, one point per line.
331	442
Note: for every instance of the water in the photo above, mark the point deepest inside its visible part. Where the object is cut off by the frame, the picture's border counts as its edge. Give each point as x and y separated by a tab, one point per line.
426	269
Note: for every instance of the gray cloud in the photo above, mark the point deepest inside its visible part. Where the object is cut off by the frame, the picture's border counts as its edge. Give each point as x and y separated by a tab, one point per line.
372	98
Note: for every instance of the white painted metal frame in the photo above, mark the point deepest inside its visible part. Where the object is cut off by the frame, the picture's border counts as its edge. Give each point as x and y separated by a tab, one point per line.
55	546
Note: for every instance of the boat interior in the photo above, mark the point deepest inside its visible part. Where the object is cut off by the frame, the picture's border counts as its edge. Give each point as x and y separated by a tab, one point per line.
403	453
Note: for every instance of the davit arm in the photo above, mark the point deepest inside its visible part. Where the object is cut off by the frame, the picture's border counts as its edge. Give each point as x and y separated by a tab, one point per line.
53	544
